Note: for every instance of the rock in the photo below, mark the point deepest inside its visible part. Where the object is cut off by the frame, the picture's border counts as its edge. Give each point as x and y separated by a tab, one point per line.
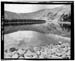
15	56
30	54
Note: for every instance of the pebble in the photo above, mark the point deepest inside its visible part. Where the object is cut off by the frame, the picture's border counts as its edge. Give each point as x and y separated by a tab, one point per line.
68	53
8	55
55	57
15	56
13	49
37	52
30	54
20	51
41	56
60	42
52	51
21	57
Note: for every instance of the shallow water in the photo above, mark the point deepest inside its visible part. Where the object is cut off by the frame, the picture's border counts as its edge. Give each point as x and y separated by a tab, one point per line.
32	39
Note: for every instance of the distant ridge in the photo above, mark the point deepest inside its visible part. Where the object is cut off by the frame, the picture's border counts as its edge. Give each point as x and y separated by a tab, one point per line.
40	14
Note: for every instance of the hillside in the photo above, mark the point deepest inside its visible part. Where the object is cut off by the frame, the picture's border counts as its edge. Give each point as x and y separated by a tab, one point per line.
48	13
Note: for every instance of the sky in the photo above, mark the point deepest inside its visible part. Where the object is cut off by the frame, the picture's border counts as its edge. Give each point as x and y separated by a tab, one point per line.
26	8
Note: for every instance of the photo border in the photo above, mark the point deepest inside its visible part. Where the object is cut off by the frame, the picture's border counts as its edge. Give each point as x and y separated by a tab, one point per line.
51	2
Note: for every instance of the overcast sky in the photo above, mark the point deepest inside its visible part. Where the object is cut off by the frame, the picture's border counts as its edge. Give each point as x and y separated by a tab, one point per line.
26	8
